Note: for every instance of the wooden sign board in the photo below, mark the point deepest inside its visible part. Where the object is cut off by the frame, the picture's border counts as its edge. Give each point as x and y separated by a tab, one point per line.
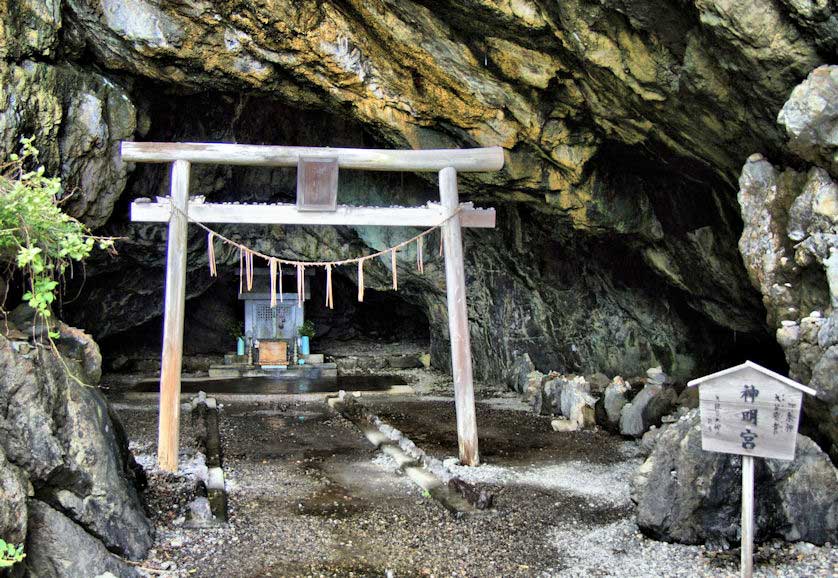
317	184
749	410
273	352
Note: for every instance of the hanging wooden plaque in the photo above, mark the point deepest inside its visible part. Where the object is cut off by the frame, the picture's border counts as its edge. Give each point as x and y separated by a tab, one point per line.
317	184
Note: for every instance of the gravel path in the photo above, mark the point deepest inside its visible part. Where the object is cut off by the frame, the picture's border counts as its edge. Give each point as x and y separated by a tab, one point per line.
308	496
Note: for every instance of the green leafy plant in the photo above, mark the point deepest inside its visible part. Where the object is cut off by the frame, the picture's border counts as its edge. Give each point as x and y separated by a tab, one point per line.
36	236
235	329
10	554
306	329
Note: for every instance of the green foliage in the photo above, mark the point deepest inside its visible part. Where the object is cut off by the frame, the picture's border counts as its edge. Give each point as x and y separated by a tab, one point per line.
35	234
306	329
10	554
235	329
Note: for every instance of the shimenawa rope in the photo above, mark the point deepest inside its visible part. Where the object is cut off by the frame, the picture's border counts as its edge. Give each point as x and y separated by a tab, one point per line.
246	255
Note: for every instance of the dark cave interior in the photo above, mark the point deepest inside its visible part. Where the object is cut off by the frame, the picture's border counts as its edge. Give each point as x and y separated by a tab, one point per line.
634	186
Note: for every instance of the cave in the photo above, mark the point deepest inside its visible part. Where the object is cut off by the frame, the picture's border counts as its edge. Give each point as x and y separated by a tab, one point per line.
564	277
385	316
666	217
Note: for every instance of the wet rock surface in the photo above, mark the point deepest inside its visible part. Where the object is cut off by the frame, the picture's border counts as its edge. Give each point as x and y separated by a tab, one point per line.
686	495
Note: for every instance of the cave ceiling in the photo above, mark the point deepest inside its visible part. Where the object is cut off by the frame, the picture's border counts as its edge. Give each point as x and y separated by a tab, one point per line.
624	126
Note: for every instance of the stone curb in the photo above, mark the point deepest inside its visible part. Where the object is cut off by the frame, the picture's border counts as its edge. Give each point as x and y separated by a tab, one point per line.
209	439
394	443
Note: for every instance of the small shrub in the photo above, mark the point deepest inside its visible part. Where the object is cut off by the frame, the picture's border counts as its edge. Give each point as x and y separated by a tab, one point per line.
10	554
306	329
235	329
36	236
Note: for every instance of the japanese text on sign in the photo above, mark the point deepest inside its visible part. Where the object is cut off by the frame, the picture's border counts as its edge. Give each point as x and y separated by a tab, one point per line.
750	413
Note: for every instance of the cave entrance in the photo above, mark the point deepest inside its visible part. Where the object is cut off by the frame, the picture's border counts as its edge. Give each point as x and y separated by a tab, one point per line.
317	173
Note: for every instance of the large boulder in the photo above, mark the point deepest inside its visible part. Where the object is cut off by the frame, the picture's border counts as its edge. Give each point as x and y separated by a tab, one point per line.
577	404
684	494
647	409
533	393
810	117
57	547
551	394
519	372
613	401
59	432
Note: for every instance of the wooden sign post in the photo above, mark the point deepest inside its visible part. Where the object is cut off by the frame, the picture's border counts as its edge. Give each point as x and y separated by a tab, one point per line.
753	412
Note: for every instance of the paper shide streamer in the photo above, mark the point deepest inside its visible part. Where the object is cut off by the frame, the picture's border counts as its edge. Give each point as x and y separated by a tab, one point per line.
272	268
330	302
395	269
248	262
301	284
420	259
361	281
211	255
241	269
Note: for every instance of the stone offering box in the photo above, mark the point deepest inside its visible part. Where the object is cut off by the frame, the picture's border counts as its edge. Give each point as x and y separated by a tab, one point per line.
749	410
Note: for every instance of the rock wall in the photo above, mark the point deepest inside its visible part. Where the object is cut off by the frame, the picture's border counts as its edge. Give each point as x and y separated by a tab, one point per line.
623	124
575	302
68	484
790	243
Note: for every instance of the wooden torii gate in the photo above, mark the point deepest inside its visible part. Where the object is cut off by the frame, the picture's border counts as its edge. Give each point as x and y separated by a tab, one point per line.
447	162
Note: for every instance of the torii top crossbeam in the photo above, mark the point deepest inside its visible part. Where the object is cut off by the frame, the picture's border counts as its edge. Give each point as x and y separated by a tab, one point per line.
176	211
463	160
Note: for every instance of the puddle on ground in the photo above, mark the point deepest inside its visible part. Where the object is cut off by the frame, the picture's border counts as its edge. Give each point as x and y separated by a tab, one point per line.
332	501
277	385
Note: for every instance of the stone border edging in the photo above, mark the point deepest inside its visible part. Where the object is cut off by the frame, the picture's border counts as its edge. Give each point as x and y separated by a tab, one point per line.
480	499
209	439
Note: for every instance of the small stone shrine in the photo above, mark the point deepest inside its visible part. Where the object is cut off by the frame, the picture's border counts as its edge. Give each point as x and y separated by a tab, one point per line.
263	322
